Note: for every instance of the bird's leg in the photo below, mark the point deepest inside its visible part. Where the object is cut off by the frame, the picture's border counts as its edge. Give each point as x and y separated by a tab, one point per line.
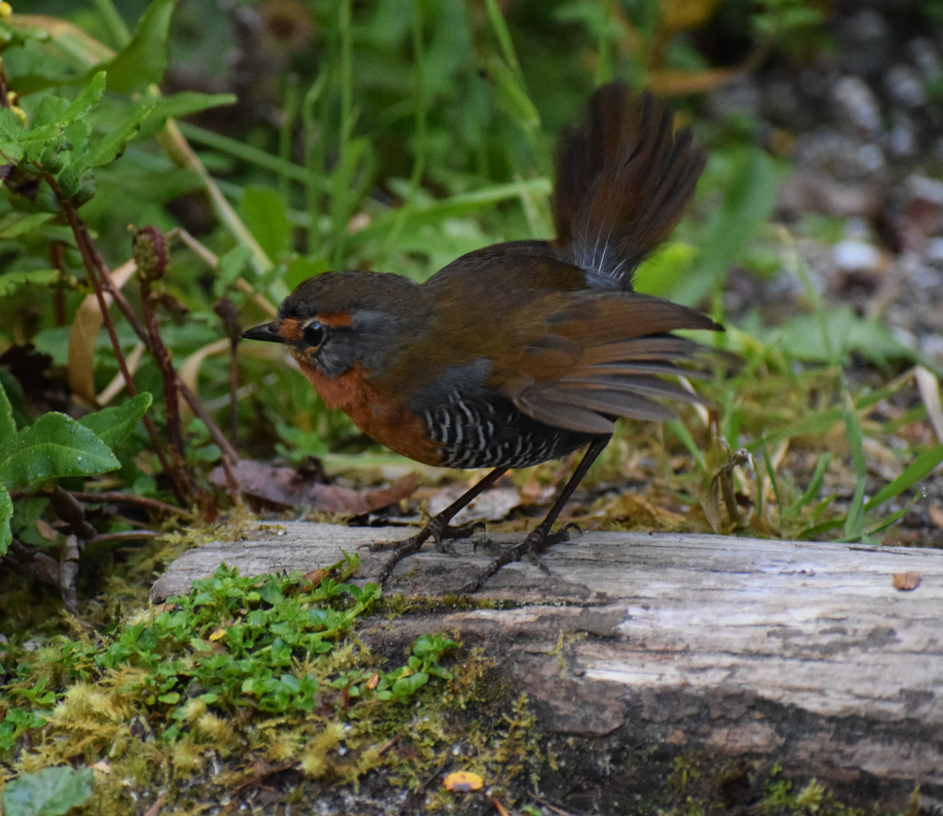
541	537
437	529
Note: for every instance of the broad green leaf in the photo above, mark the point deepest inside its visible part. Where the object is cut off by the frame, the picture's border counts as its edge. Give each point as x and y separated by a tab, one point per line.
144	60
113	425
7	425
35	277
6	514
53	447
847	333
49	792
264	213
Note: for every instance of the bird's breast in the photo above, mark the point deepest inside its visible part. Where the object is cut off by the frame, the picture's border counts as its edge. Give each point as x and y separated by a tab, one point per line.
382	417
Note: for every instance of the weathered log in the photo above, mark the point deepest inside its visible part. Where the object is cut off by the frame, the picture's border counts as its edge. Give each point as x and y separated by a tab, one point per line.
805	653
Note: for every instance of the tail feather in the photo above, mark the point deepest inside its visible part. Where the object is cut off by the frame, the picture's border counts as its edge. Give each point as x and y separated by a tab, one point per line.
623	179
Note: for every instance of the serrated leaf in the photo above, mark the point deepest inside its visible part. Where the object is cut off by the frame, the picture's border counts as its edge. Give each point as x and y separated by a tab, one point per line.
6	515
49	792
112	425
12	135
53	447
144	59
83	105
106	149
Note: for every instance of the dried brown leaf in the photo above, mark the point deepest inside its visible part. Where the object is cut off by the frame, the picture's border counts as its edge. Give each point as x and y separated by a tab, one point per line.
905	581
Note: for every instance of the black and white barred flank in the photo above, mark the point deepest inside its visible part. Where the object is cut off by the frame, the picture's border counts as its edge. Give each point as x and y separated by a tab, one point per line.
482	432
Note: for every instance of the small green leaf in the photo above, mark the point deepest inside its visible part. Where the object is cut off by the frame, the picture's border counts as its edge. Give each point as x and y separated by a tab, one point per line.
406	687
49	792
54	446
112	425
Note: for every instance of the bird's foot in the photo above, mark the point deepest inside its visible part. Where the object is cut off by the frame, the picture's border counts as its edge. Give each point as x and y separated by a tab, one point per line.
442	537
531	548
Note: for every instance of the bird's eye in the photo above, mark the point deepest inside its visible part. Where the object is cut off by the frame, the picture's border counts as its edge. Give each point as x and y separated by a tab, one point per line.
313	334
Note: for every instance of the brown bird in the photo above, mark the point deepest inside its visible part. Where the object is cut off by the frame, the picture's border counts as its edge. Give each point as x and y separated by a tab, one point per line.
523	351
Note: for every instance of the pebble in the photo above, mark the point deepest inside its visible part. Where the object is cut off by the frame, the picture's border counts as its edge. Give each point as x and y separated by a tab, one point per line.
933	252
904	85
857	106
926	58
855	255
925	188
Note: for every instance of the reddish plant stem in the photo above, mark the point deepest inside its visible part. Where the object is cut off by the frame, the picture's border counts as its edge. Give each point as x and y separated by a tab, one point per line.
169	378
230	457
93	264
55	258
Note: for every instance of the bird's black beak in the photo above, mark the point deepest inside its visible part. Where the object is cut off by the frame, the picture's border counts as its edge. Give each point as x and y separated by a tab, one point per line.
267	331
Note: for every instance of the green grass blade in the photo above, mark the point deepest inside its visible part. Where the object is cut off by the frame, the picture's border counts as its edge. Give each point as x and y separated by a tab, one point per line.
921	468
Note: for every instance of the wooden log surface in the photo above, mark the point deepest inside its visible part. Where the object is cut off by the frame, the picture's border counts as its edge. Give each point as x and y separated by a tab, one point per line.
801	652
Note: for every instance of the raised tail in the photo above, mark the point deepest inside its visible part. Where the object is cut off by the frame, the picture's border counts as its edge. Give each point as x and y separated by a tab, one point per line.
623	180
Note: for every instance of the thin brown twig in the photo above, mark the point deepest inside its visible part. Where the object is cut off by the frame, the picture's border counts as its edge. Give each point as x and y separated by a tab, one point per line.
130	498
127	535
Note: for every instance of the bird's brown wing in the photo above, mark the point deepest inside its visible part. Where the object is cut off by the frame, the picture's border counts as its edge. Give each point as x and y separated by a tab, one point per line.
596	356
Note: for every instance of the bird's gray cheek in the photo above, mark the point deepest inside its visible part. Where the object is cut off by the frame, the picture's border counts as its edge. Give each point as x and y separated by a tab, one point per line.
334	359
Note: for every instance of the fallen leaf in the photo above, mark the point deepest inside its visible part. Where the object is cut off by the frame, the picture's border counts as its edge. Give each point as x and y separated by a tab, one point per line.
282	485
46	530
316	576
905	581
462	781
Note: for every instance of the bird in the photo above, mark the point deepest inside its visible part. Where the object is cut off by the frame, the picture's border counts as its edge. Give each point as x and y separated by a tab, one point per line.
525	351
